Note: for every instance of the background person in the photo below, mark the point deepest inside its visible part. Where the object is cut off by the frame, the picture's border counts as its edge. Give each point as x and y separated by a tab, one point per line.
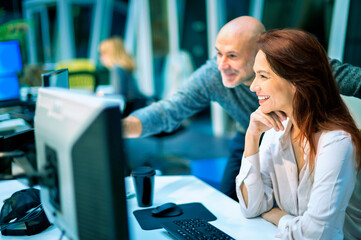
225	80
121	65
308	168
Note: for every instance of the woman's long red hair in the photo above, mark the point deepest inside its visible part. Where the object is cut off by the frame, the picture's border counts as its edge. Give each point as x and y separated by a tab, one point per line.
298	57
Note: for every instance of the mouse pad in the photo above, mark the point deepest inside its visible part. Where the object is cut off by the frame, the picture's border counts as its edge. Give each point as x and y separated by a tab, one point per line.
190	210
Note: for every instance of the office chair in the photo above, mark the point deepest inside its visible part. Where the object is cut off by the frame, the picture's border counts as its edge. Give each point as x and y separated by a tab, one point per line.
354	106
81	73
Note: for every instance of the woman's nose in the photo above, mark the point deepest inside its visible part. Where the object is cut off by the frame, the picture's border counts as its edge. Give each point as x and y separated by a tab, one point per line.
254	86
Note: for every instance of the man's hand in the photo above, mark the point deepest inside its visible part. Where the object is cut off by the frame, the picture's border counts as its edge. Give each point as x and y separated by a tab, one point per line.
132	127
274	215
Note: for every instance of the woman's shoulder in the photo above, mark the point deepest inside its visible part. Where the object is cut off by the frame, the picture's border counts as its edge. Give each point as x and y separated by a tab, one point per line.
337	138
334	135
121	69
335	151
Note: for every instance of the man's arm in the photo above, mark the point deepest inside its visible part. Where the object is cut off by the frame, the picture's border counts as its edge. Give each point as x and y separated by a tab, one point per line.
167	115
348	78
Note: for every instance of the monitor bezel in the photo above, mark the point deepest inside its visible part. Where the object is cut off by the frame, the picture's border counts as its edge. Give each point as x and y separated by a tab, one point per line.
46	77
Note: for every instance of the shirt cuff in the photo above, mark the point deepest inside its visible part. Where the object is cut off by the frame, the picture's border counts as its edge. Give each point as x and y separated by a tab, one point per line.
249	165
283	224
144	117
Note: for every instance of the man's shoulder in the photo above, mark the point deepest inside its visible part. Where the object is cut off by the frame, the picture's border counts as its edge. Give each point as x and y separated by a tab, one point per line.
208	73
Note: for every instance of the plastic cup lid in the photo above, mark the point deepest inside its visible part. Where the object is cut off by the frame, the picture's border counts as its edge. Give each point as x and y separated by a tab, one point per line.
143	171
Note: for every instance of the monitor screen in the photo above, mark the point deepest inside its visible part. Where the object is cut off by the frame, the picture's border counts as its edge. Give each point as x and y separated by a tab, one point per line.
9	90
58	78
10	57
9	87
79	149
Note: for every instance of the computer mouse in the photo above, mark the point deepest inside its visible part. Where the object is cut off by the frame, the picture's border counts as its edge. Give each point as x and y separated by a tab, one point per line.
167	210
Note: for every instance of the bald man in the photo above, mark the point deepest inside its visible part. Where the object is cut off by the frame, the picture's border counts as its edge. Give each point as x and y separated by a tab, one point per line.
226	80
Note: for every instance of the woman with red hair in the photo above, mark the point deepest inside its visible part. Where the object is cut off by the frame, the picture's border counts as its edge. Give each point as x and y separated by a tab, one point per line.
302	176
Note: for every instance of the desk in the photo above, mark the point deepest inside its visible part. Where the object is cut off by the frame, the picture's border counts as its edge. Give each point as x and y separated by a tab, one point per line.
177	189
186	189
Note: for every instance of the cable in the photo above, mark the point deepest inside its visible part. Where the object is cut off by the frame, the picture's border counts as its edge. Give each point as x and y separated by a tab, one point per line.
31	215
62	234
33	179
42	178
12	177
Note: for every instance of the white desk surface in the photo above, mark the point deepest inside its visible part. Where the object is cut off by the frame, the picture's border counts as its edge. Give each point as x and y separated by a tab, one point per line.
186	189
177	189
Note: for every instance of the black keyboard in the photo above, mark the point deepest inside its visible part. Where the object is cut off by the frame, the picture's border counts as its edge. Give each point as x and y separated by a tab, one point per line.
194	229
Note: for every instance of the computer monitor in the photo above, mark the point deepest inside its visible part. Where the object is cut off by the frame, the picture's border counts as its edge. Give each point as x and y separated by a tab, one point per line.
9	90
10	57
57	78
79	147
10	66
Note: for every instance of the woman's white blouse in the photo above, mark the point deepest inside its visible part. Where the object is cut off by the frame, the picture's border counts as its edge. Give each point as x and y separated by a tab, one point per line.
315	202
